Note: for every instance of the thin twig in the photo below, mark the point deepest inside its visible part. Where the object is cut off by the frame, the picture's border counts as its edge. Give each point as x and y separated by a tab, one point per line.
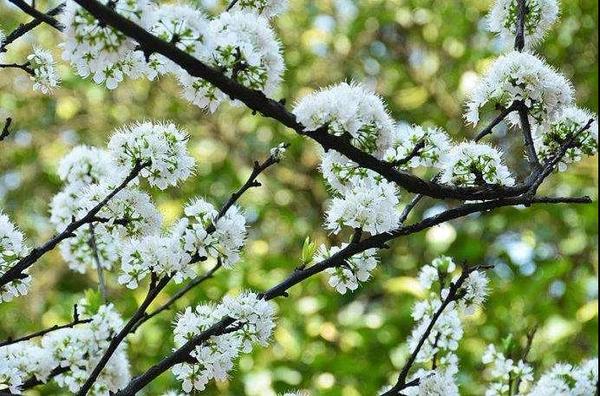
40	333
46	18
94	248
16	272
23	29
6	129
520	34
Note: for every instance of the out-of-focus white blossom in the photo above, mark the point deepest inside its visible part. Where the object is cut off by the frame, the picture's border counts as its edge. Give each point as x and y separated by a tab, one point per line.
159	145
472	164
503	370
354	270
520	76
12	249
45	78
549	139
434	144
430	273
367	204
266	8
564	379
540	16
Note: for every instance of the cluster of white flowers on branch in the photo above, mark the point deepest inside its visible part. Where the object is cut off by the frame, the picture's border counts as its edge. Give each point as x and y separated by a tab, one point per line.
214	358
67	354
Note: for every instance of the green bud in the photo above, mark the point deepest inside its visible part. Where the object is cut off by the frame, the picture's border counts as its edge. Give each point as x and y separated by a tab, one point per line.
308	251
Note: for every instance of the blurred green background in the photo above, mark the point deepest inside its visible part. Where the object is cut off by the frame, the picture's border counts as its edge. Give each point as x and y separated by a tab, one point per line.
421	56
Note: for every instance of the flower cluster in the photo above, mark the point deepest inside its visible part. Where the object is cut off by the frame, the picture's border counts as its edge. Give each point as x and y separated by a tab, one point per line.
354	270
442	342
417	146
202	233
97	49
184	26
520	76
564	379
571	124
504	370
77	348
160	146
22	361
367	205
255	321
245	48
471	164
12	249
540	16
348	110
44	77
266	8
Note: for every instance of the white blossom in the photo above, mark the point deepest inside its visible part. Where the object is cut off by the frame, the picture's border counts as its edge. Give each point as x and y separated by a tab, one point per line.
471	164
348	109
22	361
437	383
45	78
434	144
85	165
266	8
226	238
503	370
160	146
354	270
78	253
549	139
97	49
540	16
215	357
475	289
161	255
182	25
245	48
564	379
429	274
520	76
12	249
80	348
369	204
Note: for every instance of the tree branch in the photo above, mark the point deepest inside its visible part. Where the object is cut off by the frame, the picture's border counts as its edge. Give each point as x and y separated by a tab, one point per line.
47	18
40	333
181	354
6	129
27	27
16	272
520	33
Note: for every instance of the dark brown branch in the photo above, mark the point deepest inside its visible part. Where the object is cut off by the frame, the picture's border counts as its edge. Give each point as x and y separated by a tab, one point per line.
453	295
179	294
21	66
300	274
532	157
27	27
94	248
6	129
520	33
140	315
258	102
40	16
414	152
16	272
40	333
490	128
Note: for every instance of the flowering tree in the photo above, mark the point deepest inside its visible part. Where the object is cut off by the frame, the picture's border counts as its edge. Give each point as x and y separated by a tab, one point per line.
106	221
